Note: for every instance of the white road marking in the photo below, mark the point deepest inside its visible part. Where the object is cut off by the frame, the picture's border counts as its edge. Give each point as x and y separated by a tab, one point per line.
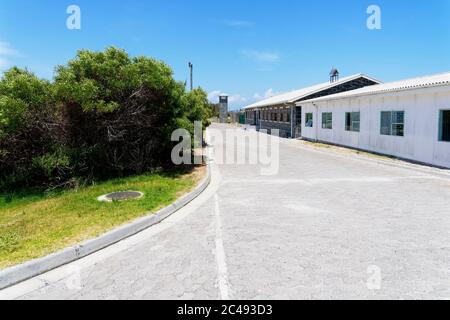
220	255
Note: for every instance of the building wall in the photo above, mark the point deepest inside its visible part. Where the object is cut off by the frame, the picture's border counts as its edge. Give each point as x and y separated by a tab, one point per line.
275	117
250	117
421	126
289	127
283	127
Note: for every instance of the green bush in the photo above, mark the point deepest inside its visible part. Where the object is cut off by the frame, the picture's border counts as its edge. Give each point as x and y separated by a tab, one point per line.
26	117
21	93
105	115
51	164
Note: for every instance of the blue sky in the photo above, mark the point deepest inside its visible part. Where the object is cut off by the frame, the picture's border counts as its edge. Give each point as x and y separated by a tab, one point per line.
247	49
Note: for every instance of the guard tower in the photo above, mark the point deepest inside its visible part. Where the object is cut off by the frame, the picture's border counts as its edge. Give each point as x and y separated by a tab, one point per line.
223	109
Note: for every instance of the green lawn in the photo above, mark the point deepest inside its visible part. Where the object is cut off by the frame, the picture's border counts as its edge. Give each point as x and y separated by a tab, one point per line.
35	225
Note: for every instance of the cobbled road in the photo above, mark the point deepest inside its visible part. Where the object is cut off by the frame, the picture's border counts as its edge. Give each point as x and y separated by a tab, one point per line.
330	224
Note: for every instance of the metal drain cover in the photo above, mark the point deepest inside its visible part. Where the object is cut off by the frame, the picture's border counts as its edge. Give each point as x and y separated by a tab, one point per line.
121	196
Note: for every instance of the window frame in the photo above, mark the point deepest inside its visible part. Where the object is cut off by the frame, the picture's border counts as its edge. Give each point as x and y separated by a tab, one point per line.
350	127
441	123
327	121
286	115
307	121
392	123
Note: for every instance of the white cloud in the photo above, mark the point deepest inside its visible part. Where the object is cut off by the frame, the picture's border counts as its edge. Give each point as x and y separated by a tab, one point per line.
238	23
236	98
6	52
233	99
268	94
260	56
214	95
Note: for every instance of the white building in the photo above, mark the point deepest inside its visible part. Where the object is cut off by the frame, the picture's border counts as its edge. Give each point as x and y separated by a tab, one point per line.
279	112
408	119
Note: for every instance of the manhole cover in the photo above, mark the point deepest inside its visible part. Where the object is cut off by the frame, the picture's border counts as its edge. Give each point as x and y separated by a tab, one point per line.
121	196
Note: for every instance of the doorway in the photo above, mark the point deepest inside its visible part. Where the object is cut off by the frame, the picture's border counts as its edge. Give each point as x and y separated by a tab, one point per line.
298	122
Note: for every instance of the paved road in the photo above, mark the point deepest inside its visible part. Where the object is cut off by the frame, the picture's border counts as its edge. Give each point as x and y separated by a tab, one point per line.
328	225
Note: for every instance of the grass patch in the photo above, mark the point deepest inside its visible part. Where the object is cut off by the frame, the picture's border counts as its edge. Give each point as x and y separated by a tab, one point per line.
36	224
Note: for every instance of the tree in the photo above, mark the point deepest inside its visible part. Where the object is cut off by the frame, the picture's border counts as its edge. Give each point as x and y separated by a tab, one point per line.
106	114
21	94
26	119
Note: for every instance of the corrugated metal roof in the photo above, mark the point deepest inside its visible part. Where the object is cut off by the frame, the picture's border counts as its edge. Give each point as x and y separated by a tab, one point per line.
292	96
408	84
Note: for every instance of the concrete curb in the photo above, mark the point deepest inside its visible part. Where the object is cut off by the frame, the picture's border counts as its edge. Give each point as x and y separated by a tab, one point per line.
30	269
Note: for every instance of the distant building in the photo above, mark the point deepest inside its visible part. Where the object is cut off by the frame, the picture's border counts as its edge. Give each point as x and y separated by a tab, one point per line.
408	119
280	112
223	109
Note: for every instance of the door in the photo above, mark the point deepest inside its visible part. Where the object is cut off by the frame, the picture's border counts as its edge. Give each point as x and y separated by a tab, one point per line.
298	122
257	120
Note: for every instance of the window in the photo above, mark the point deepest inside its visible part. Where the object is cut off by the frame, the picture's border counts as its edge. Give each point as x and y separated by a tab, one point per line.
289	115
309	120
327	120
392	123
444	125
352	120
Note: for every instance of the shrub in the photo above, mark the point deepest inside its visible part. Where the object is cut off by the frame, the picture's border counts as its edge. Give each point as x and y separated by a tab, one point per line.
26	118
105	115
196	107
21	93
121	108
